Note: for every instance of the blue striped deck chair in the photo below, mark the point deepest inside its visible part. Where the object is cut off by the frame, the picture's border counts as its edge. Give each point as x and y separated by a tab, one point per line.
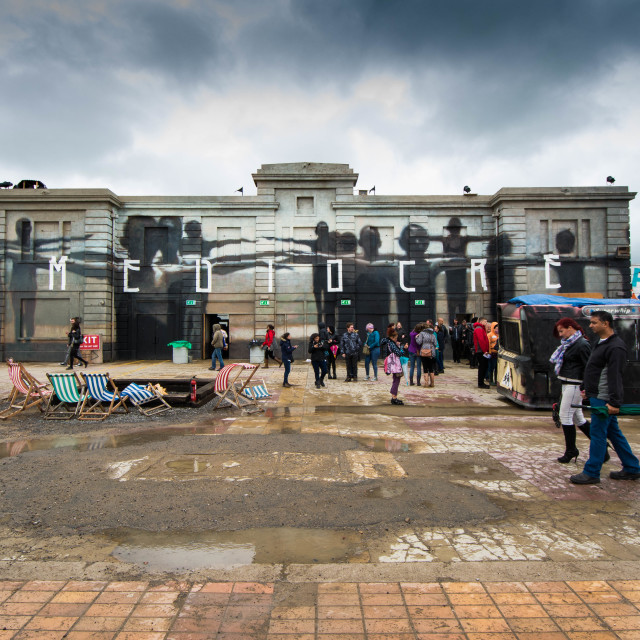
66	399
100	390
257	391
148	401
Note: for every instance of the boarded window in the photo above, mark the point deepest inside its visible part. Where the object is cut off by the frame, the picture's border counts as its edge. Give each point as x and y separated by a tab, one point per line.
304	206
25	240
565	236
46	240
156	245
229	244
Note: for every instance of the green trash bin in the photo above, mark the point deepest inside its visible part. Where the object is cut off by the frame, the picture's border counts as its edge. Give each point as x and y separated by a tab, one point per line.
180	351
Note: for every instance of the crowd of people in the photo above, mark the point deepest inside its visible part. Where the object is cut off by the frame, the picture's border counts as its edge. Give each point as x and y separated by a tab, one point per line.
417	354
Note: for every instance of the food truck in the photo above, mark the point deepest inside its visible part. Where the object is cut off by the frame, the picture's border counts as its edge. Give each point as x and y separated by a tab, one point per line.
525	375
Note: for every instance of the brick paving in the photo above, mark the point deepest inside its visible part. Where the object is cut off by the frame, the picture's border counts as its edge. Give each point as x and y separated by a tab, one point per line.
106	610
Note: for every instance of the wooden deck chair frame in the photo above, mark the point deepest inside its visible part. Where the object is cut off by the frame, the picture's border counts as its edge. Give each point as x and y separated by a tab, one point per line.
66	398
27	391
149	406
236	384
93	406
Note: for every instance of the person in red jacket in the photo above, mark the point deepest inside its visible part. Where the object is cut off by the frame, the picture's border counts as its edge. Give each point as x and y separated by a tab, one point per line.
481	348
267	345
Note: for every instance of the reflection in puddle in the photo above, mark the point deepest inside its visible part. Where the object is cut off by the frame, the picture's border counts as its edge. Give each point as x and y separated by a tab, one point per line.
188	466
112	441
385	492
166	551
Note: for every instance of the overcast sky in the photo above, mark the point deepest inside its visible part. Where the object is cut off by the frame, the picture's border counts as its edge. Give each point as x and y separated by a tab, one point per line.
417	96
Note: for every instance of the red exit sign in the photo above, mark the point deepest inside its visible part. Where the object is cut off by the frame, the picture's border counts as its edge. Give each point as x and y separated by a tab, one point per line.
91	342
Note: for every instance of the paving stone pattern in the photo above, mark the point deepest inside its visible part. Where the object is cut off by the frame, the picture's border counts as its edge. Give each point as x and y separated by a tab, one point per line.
79	610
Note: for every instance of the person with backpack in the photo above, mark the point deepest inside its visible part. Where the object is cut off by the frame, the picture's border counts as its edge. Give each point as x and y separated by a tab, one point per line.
428	343
76	341
392	364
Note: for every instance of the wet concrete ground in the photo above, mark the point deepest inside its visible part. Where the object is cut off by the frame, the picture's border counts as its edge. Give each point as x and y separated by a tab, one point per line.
328	489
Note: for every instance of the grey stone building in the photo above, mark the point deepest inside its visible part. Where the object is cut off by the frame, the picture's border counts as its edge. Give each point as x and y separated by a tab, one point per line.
143	271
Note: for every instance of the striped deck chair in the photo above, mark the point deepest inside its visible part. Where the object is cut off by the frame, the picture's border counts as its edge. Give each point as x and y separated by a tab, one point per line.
257	391
231	382
100	390
66	399
27	391
148	401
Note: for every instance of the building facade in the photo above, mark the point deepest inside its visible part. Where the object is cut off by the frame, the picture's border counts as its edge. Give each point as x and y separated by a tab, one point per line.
144	271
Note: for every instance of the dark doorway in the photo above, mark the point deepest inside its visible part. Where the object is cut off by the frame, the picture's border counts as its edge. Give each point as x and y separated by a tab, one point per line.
209	320
153	334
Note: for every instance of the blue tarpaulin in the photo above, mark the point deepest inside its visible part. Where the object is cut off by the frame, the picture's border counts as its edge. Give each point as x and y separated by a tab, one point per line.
543	298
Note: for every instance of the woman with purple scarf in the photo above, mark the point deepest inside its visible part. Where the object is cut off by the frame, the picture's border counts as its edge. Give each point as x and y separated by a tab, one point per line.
569	361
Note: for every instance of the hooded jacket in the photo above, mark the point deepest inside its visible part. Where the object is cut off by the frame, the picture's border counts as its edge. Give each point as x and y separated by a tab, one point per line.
480	338
217	342
493	340
350	343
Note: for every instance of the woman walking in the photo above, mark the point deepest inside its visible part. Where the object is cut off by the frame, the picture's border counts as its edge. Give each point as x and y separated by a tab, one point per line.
76	341
569	361
372	343
394	367
318	362
267	345
287	350
333	352
414	354
428	344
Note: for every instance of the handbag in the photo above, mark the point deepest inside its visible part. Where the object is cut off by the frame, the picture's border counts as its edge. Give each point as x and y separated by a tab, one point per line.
366	350
426	353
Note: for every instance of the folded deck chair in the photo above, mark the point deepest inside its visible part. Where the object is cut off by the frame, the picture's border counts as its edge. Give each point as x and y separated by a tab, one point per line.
100	390
257	391
231	382
147	400
27	391
66	399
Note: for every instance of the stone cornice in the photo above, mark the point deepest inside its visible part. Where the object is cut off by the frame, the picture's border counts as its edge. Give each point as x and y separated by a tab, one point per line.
77	198
561	195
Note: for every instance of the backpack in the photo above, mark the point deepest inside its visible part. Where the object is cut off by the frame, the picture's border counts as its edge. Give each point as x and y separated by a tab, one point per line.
392	364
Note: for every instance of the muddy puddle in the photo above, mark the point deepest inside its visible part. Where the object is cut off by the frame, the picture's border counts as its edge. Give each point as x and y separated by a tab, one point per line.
177	551
110	441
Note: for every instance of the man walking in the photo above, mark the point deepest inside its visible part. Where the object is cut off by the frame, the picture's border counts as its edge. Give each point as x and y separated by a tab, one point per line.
350	344
604	387
456	340
442	335
481	349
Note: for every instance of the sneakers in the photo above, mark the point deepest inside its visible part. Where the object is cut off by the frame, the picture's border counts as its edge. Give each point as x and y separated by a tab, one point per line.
322	384
375	378
624	475
367	378
583	478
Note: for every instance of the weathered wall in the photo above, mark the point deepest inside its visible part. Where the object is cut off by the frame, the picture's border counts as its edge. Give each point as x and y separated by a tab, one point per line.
131	269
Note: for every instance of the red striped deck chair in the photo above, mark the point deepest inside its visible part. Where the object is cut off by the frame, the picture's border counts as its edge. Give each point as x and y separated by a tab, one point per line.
66	399
27	391
230	383
102	397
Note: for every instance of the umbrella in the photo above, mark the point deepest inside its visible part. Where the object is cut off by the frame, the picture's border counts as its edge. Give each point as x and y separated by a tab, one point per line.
625	410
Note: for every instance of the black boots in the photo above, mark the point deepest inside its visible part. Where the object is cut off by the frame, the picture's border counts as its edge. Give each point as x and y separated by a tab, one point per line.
570	452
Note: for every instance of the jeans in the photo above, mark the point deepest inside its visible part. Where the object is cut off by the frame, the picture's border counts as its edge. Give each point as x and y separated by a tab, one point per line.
492	370
217	353
413	359
320	369
605	428
440	359
287	370
395	384
372	358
